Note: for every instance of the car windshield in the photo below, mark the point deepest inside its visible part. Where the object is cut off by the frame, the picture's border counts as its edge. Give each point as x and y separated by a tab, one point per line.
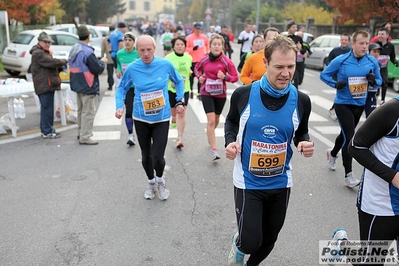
63	39
23	38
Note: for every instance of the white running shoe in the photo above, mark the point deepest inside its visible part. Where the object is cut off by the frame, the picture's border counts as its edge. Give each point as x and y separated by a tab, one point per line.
150	192
338	237
163	192
331	160
215	155
351	181
236	257
131	140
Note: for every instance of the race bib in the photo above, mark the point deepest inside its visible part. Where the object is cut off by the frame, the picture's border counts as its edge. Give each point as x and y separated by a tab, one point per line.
267	160
299	57
358	87
199	42
214	87
153	102
124	66
383	60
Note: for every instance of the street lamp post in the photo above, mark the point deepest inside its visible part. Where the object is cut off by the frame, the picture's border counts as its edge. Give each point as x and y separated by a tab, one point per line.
230	13
208	17
208	13
257	14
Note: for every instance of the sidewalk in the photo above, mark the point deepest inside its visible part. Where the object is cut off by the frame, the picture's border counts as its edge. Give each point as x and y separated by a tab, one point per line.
30	125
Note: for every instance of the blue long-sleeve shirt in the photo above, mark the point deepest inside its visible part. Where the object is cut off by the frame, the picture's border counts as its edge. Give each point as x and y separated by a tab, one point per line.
353	71
151	98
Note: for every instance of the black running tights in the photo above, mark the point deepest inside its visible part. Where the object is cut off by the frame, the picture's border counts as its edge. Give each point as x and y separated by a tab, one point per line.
260	217
152	140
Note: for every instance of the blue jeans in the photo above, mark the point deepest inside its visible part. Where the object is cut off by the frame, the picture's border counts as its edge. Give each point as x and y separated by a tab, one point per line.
46	112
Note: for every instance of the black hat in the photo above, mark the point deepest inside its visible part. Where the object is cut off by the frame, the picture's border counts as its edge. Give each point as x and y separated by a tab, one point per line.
374	46
83	31
121	25
197	25
290	24
44	37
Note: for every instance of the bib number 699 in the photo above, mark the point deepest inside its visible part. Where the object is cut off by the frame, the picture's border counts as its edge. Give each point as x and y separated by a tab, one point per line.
267	162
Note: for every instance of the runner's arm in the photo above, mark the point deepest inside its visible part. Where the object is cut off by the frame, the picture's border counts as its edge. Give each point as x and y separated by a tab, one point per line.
379	124
305	107
238	101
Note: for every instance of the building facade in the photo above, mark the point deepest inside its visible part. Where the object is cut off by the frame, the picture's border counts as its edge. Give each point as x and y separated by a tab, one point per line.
140	9
165	5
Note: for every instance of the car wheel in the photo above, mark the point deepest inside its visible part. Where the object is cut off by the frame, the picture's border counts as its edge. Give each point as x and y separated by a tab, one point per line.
395	85
12	72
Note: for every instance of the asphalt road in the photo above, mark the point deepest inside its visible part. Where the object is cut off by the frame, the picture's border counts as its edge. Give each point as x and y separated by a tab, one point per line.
67	204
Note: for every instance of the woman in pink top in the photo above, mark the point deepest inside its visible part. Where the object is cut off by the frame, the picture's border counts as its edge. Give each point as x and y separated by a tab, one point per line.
212	71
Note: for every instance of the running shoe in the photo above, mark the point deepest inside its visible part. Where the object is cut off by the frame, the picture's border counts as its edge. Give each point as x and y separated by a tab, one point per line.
382	102
236	257
179	143
351	181
131	140
338	237
150	192
191	95
215	155
332	114
331	160
199	96
163	192
52	135
173	124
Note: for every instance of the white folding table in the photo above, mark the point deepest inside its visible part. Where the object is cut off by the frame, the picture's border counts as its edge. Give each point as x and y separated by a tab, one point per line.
11	91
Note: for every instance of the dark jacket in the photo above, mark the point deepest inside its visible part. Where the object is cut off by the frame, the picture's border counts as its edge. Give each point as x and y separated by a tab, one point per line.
45	70
297	39
84	68
337	51
227	46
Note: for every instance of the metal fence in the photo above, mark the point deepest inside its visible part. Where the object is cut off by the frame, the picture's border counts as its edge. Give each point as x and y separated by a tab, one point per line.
317	29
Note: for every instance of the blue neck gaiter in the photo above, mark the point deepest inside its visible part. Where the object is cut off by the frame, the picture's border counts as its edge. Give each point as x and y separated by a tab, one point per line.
264	84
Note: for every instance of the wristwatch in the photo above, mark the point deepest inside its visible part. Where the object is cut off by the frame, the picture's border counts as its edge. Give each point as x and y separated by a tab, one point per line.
225	77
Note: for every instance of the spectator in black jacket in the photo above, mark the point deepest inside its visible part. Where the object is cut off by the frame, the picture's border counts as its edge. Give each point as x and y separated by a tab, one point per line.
227	46
387	53
300	67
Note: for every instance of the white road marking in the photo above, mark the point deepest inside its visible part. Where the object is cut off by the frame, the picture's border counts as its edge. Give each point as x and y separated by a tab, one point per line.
106	135
317	118
105	115
325	130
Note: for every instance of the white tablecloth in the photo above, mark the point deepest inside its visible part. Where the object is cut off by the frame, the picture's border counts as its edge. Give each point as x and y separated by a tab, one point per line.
17	89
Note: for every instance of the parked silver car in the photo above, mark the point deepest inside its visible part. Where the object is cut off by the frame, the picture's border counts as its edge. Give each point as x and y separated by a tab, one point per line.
16	57
321	47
